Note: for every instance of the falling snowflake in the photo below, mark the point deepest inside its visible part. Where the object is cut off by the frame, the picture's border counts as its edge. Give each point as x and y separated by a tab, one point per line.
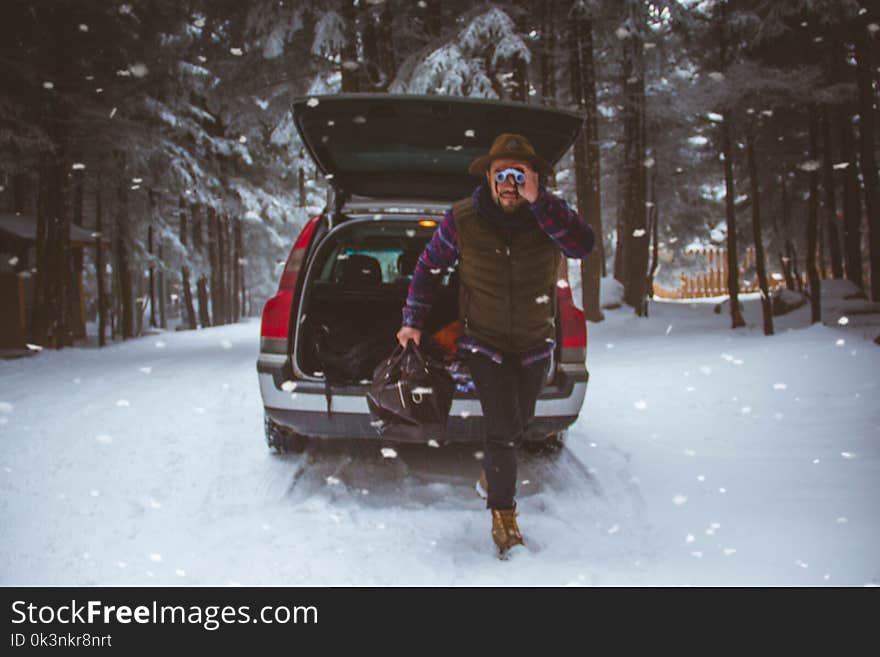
689	452
83	27
701	478
668	329
236	51
722	490
465	414
154	503
705	369
717	76
697	554
78	166
410	232
180	572
138	69
104	438
155	556
841	520
389	453
638	232
226	344
779	386
641	404
689	538
679	499
542	299
48	85
6	407
689	388
613	529
729	551
94	492
146	370
745	410
433	443
562	283
809	165
478	455
332	481
160	345
840	342
800	564
840	165
123	403
848	455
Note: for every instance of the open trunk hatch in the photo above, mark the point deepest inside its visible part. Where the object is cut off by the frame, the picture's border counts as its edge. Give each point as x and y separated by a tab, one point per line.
398	146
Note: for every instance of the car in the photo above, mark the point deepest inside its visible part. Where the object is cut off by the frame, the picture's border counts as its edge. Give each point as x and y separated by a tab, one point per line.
395	164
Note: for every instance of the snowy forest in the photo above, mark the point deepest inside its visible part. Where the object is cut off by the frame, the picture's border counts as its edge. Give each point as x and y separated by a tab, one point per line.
163	128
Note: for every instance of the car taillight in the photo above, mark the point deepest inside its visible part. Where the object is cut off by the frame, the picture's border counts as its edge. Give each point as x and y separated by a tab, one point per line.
573	324
276	312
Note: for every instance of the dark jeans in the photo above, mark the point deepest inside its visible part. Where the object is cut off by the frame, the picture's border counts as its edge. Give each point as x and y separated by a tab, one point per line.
507	393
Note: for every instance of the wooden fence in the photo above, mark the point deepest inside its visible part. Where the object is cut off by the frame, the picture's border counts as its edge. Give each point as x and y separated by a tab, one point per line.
713	281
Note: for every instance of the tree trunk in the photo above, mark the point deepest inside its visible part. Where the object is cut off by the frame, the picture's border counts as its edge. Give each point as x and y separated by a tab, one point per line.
302	179
185	284
122	257
867	161
755	192
236	268
548	53
520	67
852	204
586	154
216	303
831	221
239	242
635	237
151	274
163	292
736	318
654	234
387	57
100	267
434	18
783	240
813	220
204	312
351	73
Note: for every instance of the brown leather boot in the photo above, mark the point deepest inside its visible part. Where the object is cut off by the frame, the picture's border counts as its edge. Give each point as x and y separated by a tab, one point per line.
505	531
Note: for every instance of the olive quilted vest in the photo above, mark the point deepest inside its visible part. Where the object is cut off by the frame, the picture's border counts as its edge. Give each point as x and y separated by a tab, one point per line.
507	293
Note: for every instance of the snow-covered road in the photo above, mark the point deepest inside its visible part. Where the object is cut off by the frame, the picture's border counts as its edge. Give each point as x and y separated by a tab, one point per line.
702	456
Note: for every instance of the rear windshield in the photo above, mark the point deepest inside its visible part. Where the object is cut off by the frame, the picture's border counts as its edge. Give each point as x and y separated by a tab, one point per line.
373	253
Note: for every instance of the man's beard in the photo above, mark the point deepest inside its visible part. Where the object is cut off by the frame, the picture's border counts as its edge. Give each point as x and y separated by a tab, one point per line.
511	208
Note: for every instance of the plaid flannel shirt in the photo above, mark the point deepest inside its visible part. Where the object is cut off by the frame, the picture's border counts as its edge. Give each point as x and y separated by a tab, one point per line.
562	224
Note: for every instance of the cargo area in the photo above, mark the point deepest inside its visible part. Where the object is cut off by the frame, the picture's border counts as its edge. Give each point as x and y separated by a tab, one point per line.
352	301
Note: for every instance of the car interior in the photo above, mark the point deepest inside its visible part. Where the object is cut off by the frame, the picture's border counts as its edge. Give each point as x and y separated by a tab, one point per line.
358	286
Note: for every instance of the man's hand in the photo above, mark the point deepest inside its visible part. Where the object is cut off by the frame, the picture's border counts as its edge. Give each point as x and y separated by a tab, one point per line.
529	189
407	333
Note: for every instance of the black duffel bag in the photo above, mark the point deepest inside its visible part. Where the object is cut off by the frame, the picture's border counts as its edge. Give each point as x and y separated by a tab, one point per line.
411	394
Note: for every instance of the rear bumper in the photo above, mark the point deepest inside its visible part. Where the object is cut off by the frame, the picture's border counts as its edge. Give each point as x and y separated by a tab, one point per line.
304	410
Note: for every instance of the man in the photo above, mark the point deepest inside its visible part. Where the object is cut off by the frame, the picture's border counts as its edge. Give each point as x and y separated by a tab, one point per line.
507	237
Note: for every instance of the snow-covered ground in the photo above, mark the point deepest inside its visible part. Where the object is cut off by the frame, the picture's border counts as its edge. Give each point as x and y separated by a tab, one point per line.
702	456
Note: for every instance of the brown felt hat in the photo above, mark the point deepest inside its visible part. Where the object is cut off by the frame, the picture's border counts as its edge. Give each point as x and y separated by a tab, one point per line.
514	147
